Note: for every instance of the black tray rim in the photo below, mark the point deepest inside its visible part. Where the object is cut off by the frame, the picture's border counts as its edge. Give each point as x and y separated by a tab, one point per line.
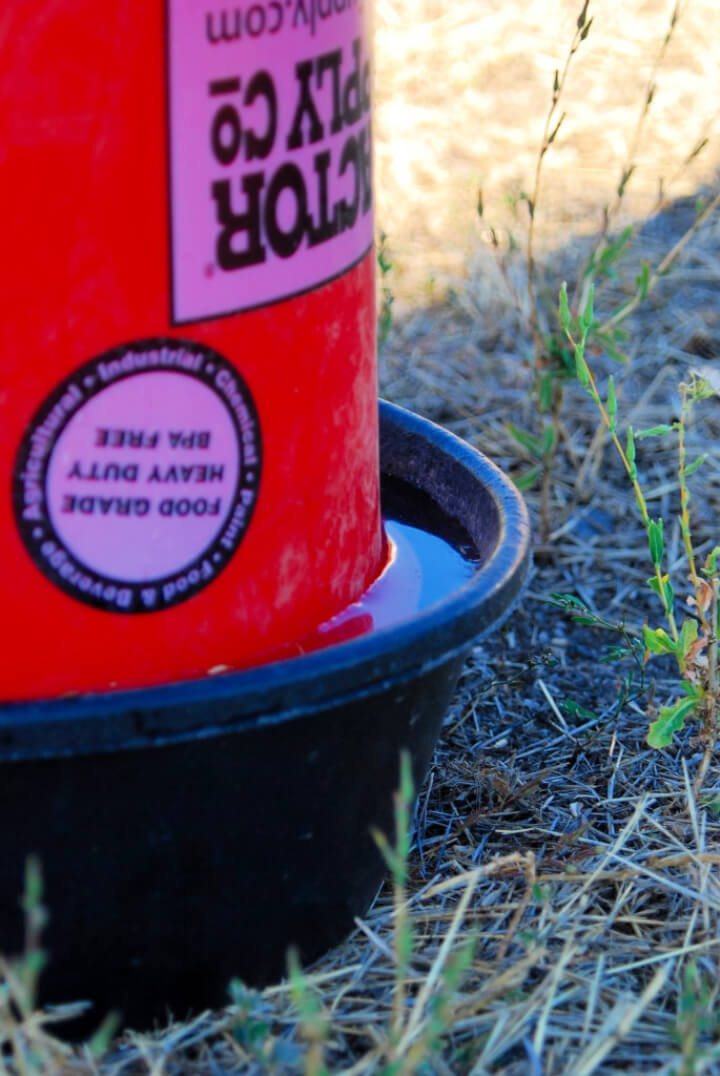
288	689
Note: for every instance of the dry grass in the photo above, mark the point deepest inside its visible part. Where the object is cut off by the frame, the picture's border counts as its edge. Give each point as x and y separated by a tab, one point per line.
462	91
582	862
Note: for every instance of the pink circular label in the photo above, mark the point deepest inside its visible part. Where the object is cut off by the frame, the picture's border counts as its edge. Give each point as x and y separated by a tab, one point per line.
138	477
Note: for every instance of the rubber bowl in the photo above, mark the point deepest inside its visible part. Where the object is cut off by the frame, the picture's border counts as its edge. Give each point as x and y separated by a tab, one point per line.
191	833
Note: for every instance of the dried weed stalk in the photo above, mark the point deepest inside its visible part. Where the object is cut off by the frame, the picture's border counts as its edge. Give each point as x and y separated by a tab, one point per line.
553	362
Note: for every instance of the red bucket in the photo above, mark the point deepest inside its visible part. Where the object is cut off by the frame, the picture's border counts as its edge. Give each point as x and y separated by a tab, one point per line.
188	423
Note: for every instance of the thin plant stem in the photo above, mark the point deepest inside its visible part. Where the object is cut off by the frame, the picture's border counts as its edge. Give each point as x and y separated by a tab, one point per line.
663	268
548	460
712	697
401	927
579	348
685	505
628	168
550	131
713	642
397	859
552	126
623	312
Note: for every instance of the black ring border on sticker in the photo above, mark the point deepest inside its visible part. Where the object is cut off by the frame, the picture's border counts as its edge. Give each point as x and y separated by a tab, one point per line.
26	527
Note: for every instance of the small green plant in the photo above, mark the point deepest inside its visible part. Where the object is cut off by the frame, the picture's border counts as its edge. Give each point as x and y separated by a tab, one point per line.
424	1003
628	651
314	1022
387	299
26	1043
252	1029
693	641
397	859
697	1024
418	1024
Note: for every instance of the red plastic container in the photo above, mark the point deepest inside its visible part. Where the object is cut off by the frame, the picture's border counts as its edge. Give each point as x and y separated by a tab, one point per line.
188	403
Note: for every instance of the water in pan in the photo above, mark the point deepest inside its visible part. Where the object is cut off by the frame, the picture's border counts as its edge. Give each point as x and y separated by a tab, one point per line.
430	556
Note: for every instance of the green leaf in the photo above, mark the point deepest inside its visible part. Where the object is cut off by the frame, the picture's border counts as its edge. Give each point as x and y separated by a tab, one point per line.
101	1039
527	479
549	439
664	591
688	635
393	861
654	431
582	370
616	653
711	563
564	360
613	352
533	444
574	709
557	598
407	784
588	315
613	250
609	342
695	464
642	280
655	541
564	308
558	125
630	448
624	180
545	393
669	594
657	640
612	404
671	720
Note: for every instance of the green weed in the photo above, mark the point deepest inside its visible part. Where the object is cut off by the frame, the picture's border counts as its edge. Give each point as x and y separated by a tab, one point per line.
697	1024
693	641
27	1046
421	1018
564	335
424	1005
387	299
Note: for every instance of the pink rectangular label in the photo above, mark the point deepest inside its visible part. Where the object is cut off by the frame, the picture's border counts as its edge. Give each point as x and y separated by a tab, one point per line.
270	151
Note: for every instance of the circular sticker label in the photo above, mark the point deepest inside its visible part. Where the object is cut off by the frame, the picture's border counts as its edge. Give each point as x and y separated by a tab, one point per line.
138	476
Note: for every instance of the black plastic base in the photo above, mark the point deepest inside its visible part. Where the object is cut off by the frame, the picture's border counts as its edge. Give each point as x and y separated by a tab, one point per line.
170	870
190	834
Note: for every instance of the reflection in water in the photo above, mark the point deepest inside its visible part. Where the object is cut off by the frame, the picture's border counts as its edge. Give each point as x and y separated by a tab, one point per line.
422	569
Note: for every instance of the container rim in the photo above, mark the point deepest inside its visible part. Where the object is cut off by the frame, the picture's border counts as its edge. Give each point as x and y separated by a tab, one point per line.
413	449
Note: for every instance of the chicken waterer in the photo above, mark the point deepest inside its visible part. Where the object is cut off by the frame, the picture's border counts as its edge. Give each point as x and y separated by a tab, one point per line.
215	650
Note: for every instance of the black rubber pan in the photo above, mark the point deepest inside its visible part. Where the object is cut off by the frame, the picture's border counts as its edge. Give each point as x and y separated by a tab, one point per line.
192	832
